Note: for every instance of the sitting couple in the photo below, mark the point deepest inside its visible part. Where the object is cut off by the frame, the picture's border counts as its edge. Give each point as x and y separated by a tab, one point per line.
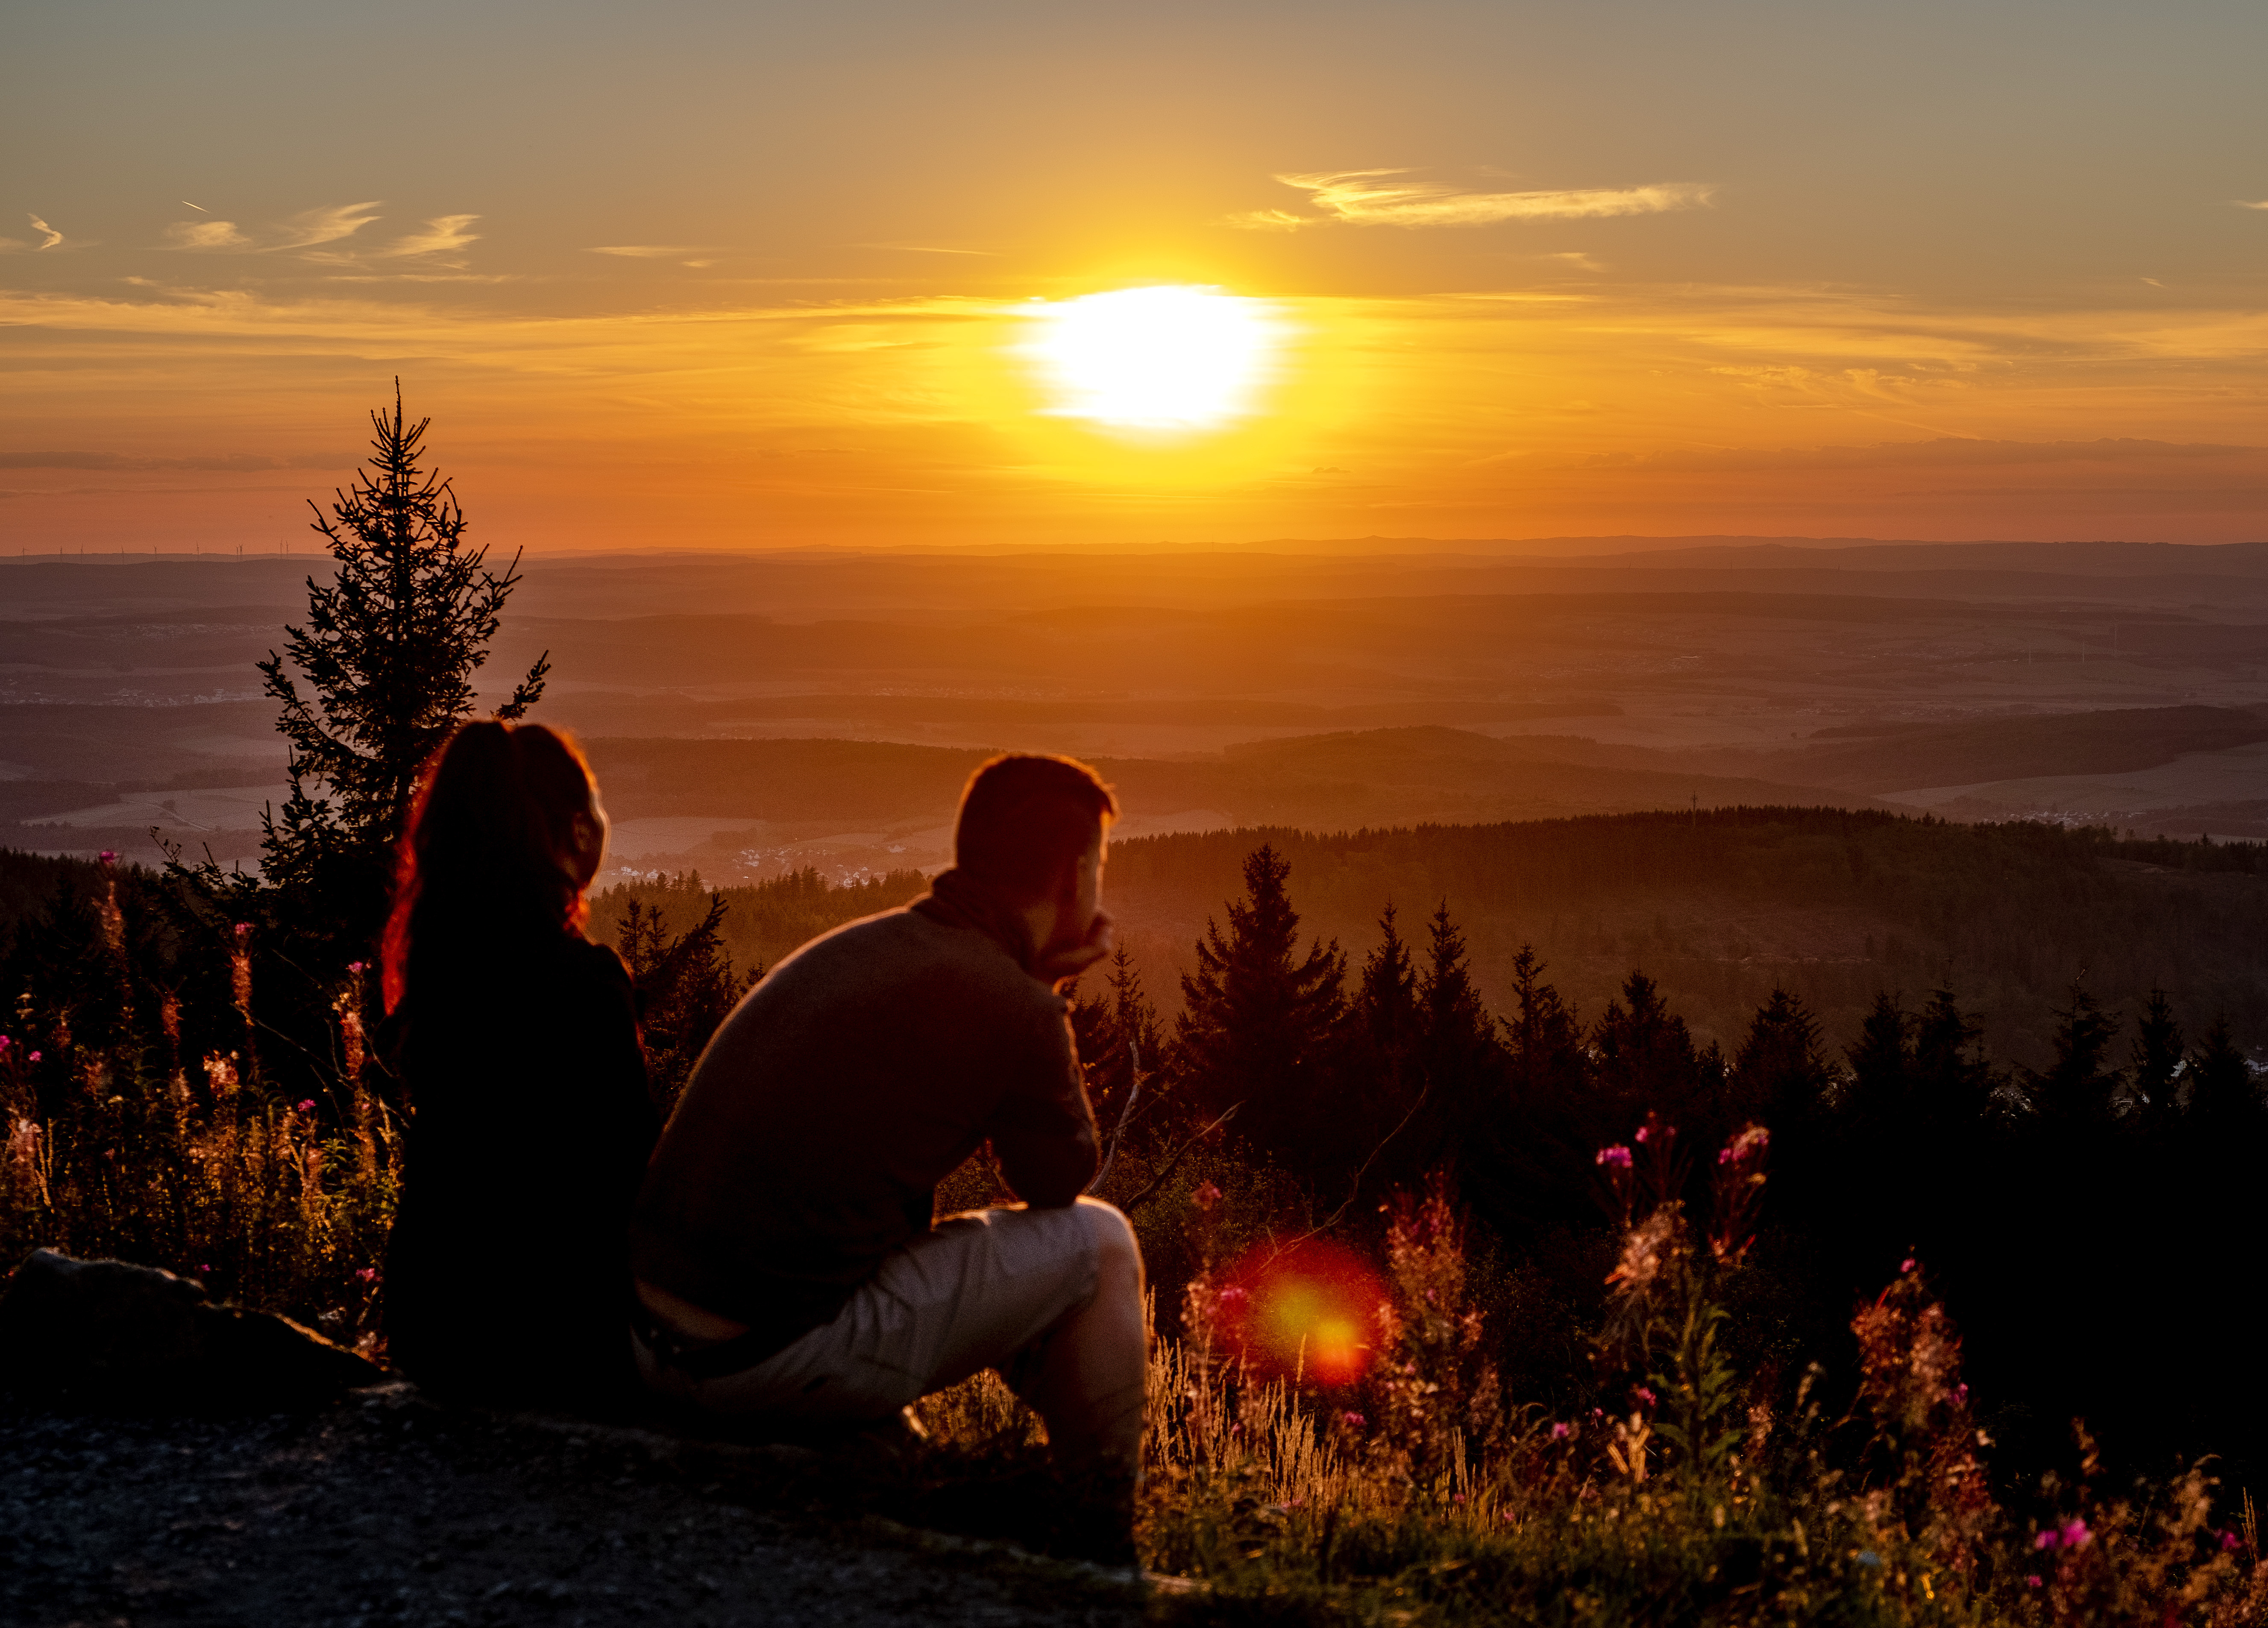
770	1256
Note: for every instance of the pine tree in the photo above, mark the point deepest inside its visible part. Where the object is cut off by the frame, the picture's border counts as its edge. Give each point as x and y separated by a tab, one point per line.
1117	1033
2223	1094
1883	1062
1259	1021
1544	1039
388	654
2157	1047
1950	1085
2077	1088
1646	1060
1778	1075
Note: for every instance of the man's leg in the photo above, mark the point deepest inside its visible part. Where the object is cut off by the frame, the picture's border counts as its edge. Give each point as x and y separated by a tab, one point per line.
1090	1381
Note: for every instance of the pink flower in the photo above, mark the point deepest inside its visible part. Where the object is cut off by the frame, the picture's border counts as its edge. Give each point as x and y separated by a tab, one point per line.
368	1274
244	929
357	967
1644	1394
2075	1535
1234	1295
1642	1131
1617	1156
1205	1197
3	1042
1457	1498
2230	1540
206	1267
2033	1581
108	857
34	1058
303	1107
2046	1540
1905	1266
1353	1421
1559	1432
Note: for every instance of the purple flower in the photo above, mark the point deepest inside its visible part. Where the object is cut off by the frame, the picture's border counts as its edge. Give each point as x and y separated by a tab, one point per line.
357	967
2033	1581
1644	1394
2075	1535
34	1058
3	1042
244	929
108	857
1905	1266
1558	1432
303	1107
1617	1156
206	1267
1205	1197
1642	1131
2046	1540
368	1274
2230	1540
1353	1421
1724	1155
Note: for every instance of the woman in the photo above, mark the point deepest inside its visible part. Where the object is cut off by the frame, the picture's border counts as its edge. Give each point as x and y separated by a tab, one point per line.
517	1042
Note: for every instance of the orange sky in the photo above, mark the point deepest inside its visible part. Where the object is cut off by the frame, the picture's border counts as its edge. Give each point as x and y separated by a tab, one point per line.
714	278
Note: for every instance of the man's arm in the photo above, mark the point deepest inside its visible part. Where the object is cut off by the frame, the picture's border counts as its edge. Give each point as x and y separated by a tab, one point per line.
1043	1132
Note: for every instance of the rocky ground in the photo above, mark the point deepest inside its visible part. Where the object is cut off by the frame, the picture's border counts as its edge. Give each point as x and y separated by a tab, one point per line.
387	1510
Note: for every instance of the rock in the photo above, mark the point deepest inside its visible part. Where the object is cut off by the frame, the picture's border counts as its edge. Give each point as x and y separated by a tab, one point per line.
109	1333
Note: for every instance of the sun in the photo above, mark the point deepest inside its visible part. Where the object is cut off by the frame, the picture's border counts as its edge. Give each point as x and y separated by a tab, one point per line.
1172	358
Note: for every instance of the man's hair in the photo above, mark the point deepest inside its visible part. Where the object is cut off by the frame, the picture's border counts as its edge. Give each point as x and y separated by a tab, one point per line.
1024	820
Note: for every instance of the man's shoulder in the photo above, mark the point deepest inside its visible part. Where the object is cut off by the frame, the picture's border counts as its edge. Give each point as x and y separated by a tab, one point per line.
907	947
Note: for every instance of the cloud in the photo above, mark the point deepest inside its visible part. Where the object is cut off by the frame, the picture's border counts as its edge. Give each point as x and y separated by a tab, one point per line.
1369	198
206	235
648	251
53	236
310	227
444	234
233	461
2247	203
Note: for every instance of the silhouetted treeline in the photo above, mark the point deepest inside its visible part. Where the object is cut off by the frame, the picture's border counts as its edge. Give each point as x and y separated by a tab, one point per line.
2090	1220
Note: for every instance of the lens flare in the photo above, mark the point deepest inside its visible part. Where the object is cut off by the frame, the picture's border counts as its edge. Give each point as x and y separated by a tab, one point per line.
1307	1314
1159	359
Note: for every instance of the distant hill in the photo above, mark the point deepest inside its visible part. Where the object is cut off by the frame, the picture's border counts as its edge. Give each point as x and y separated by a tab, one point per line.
1891	757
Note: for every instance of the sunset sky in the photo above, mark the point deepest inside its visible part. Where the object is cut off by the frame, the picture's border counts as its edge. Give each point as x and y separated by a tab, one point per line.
774	276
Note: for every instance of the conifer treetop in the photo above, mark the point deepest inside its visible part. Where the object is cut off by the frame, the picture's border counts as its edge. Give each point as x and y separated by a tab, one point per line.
388	652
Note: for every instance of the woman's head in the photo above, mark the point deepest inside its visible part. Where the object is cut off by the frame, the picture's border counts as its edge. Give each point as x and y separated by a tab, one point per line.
504	834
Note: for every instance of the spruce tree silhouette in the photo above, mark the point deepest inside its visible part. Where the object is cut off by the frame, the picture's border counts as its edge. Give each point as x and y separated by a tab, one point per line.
2223	1096
2077	1088
2157	1044
1259	1021
388	652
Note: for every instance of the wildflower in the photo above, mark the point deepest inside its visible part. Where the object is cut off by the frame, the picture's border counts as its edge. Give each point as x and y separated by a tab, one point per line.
1905	1266
2032	1582
357	967
1617	1156
3	1042
2048	1539
1645	1396
2075	1535
368	1274
1559	1432
308	1105
1642	1131
206	1267
1353	1421
2230	1540
34	1058
108	857
1457	1498
1205	1197
244	929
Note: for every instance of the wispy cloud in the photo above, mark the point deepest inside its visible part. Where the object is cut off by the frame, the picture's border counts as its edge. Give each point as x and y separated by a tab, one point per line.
1375	198
648	251
329	225
2249	204
445	234
226	461
927	248
50	233
206	235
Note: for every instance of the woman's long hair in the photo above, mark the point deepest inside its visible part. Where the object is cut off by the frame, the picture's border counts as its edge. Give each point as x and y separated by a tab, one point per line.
487	865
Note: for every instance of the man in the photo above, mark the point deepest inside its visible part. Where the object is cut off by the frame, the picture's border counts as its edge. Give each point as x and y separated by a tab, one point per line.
789	1274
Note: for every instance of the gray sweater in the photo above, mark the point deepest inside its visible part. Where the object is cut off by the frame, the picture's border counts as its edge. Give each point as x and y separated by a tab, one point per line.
862	1071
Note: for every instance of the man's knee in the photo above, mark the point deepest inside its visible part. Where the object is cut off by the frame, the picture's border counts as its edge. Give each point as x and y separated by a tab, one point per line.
1118	1252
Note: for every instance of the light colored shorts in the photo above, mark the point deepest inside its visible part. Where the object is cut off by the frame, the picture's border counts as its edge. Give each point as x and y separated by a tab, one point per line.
977	1291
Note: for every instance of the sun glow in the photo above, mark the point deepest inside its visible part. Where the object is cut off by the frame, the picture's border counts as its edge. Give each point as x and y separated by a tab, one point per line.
1167	359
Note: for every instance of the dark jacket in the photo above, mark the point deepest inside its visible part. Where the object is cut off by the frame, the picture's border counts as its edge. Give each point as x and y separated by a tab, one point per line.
507	1272
843	1089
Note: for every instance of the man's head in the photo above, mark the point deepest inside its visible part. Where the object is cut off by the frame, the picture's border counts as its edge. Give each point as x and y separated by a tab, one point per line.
1031	830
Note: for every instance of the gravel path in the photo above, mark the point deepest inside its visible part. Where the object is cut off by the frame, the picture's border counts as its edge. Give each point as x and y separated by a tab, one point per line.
386	1510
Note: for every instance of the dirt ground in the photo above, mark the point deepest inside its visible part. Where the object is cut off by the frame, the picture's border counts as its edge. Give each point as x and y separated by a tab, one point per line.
386	1510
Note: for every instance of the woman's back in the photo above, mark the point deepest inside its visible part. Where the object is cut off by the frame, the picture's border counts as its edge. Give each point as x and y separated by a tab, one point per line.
531	1127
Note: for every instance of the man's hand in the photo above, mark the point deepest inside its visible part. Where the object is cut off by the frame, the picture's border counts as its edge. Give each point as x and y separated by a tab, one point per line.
1057	963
